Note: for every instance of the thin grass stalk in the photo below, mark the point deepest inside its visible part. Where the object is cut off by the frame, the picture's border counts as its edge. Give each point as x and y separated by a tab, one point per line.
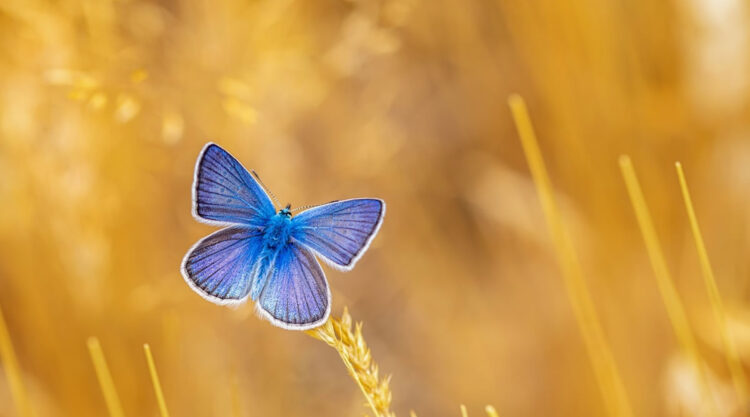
13	371
739	379
111	399
491	412
155	380
355	354
605	368
669	295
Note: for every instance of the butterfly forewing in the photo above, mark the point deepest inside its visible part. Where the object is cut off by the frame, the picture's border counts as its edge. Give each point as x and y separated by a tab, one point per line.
339	231
224	192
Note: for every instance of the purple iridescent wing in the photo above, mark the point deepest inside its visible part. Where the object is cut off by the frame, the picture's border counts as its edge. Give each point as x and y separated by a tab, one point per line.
220	266
340	231
225	193
295	293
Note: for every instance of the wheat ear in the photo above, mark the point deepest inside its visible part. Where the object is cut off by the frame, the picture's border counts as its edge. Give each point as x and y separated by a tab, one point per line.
355	354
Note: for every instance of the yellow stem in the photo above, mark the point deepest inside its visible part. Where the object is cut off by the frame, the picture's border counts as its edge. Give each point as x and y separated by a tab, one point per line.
464	413
105	378
733	361
669	295
12	371
155	381
491	412
607	375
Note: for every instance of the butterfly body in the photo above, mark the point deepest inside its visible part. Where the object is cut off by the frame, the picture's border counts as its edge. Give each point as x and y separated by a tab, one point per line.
278	231
276	236
268	255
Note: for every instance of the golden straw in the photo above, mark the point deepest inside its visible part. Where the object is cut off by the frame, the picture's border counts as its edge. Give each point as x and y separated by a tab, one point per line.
671	299
464	413
607	375
105	378
491	412
733	361
12	371
155	381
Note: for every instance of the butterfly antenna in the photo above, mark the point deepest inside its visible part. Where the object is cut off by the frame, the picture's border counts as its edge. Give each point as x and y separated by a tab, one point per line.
311	206
273	197
303	207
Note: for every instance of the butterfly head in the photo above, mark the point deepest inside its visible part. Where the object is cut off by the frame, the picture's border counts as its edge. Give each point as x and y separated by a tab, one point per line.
286	211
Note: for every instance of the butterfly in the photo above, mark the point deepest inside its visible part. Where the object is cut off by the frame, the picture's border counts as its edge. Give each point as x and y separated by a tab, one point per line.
269	255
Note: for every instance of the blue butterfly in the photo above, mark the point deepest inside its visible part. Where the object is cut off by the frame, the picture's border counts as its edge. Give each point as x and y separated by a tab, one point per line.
268	255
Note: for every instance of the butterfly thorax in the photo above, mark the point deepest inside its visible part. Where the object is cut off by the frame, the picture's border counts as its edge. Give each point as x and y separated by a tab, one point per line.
278	230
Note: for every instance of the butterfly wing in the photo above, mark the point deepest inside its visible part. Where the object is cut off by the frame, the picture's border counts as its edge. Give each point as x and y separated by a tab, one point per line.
220	266
340	231
295	294
225	193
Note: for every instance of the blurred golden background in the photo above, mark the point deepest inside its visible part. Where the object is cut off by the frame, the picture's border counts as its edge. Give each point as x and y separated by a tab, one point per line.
104	106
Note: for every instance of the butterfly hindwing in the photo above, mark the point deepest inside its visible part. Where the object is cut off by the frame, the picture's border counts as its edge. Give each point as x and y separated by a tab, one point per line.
295	293
225	193
339	231
219	267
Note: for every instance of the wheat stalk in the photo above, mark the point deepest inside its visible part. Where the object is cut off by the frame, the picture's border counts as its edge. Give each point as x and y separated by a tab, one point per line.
606	371
671	299
731	355
155	380
9	361
355	354
111	399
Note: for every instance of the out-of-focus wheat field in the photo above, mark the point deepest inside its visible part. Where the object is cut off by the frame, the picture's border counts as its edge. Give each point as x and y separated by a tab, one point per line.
105	105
